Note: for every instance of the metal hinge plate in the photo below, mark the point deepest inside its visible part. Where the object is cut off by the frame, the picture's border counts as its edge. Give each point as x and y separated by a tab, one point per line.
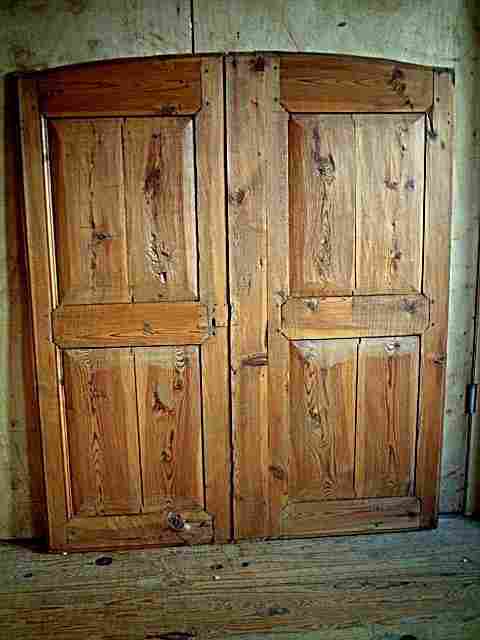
471	399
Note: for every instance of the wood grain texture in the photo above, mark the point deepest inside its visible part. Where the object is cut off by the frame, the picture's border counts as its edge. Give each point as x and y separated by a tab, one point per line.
350	516
323	377
101	417
140	530
278	290
322	204
355	316
170	426
386	416
390	157
43	301
216	434
123	87
160	200
116	325
250	99
438	212
312	84
89	210
210	166
391	586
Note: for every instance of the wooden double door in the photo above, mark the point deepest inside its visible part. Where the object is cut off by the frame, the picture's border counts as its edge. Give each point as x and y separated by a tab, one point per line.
239	277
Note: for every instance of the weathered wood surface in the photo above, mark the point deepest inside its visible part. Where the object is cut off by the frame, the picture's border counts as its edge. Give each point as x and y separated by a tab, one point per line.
390	161
307	518
436	276
89	210
141	530
278	289
422	584
322	204
250	96
101	419
130	87
386	416
323	377
312	84
210	165
170	425
355	316
117	325
160	203
43	300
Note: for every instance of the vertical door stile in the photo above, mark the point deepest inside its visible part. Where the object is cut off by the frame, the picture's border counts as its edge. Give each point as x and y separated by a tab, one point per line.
212	240
438	211
42	306
249	103
278	420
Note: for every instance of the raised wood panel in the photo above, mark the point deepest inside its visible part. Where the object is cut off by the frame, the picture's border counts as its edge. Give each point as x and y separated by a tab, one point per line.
160	197
101	418
89	210
117	325
355	316
313	84
123	87
323	377
170	425
322	204
390	160
350	516
386	416
250	96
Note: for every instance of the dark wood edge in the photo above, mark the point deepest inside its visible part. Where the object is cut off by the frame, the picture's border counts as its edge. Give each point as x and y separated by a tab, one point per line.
46	357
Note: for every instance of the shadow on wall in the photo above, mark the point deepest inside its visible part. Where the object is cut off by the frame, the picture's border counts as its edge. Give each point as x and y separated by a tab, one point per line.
27	506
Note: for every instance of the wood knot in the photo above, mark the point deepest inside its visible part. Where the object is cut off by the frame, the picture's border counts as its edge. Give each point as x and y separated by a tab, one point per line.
100	236
440	359
391	184
258	64
312	305
255	360
160	408
410	184
147	329
168	110
410	306
237	197
277	472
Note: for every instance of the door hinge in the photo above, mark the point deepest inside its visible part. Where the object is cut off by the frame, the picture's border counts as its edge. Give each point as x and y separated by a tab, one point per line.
471	399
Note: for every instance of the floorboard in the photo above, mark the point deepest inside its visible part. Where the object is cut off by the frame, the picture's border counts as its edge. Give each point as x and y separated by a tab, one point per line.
407	586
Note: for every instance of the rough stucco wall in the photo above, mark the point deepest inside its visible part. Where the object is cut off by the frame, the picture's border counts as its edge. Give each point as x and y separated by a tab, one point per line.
46	33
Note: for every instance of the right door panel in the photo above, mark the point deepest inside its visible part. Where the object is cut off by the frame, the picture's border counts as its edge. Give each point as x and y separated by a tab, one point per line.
339	318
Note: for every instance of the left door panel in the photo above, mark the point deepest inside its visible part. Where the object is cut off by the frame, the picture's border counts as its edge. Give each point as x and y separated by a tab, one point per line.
125	220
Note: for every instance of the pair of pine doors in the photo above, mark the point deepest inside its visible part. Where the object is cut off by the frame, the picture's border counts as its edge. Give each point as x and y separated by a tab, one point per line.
239	280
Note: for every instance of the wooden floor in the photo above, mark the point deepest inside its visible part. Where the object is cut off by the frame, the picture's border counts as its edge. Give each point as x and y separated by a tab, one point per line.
421	585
